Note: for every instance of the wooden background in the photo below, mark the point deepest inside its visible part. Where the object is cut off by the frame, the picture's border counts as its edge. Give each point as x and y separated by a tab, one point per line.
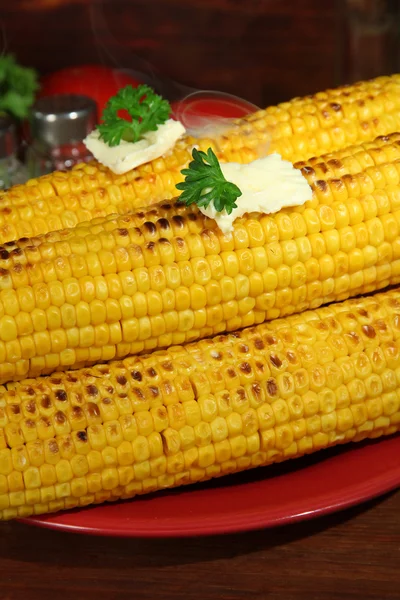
352	555
263	50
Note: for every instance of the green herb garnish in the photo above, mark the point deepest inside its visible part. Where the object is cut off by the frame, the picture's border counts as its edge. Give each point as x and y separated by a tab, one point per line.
17	87
147	110
205	183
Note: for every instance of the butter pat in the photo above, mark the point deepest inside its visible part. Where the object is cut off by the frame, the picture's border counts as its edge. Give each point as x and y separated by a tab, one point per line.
267	185
128	155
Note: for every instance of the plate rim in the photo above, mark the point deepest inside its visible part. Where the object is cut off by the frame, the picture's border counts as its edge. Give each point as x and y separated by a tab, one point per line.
368	489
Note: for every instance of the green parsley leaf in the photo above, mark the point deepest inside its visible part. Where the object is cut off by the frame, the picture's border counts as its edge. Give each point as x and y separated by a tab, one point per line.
17	87
205	183
147	110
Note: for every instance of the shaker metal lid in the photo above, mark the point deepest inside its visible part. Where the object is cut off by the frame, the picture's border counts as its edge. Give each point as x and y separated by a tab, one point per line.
63	118
8	136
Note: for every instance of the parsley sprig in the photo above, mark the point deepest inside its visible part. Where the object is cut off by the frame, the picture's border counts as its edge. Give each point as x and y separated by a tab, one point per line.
17	87
205	183
147	110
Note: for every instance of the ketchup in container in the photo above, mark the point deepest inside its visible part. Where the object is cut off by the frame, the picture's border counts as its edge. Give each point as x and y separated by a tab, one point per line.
202	112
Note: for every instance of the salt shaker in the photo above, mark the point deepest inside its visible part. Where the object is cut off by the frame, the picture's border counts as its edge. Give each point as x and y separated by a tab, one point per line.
59	124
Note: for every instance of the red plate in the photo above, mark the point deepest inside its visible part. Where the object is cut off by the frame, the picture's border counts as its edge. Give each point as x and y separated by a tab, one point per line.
292	491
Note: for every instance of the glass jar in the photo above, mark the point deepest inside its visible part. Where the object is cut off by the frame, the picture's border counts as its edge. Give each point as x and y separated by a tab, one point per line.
370	40
59	124
12	171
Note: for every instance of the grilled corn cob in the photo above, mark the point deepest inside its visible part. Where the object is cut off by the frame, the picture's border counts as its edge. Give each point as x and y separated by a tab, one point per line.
168	275
276	391
297	130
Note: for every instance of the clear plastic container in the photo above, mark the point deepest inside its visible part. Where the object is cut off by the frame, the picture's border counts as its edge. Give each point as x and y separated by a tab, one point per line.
59	124
12	171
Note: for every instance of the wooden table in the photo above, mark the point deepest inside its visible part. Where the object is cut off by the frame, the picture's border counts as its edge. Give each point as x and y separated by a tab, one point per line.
350	555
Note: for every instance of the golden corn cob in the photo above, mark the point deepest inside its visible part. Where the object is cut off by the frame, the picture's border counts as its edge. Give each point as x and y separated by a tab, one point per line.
328	121
276	391
61	200
298	129
168	275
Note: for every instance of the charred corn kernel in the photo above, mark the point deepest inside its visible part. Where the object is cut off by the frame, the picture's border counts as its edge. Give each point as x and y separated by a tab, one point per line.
303	399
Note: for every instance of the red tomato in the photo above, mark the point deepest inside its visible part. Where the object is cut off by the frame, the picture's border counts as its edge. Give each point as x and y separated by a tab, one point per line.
96	81
210	104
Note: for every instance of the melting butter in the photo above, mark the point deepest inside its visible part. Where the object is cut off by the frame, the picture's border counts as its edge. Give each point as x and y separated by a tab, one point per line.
267	184
128	155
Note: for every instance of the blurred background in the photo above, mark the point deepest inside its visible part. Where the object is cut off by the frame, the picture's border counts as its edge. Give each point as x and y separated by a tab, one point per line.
263	51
